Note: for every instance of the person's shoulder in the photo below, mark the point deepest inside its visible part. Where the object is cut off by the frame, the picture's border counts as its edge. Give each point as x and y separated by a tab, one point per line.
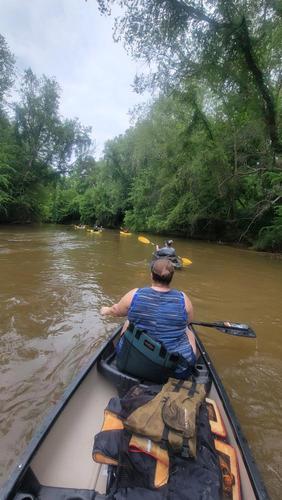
180	292
132	292
187	301
127	298
145	290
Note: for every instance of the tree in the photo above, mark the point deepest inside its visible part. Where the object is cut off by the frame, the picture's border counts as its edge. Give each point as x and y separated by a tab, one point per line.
7	62
38	149
47	145
226	44
45	138
64	204
224	60
6	147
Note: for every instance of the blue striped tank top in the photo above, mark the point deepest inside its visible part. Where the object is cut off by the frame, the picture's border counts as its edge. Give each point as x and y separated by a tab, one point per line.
164	317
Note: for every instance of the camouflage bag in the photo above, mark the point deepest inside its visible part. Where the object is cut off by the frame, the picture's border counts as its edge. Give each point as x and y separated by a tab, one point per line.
170	418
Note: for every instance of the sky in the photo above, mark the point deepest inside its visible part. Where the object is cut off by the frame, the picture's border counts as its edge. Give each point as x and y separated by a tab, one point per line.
71	41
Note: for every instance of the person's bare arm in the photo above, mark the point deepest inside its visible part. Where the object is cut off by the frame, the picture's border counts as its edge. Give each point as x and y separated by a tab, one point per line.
190	312
189	308
120	308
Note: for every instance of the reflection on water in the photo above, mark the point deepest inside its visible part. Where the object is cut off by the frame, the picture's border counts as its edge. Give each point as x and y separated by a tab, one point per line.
53	283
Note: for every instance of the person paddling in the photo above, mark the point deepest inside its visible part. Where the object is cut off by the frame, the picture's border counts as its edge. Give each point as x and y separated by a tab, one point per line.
164	313
166	251
97	227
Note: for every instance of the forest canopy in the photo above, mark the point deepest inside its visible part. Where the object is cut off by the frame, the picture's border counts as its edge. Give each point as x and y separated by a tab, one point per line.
203	159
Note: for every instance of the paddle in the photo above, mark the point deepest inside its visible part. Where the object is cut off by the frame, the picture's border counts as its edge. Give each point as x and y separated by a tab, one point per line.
236	329
144	240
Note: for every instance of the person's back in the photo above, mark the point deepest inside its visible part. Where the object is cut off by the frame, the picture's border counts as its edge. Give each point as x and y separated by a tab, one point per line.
166	251
163	316
162	312
166	311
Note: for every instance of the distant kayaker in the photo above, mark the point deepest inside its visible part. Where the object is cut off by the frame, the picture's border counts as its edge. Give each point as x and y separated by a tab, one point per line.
97	227
166	251
163	312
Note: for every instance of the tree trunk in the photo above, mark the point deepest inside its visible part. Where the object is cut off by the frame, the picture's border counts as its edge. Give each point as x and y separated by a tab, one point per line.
268	103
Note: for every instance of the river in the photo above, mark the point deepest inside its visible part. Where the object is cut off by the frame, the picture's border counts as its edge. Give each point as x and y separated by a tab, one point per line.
54	280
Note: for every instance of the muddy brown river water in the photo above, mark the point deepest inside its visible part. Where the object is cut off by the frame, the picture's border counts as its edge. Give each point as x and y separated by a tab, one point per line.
53	281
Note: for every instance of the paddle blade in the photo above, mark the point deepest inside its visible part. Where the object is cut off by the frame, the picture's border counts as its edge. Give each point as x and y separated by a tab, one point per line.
142	239
186	262
236	329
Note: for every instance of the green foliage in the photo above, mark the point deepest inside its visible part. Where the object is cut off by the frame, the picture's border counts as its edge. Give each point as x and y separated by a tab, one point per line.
37	149
6	69
229	47
87	207
213	178
6	171
271	236
43	136
217	174
64	207
84	173
202	160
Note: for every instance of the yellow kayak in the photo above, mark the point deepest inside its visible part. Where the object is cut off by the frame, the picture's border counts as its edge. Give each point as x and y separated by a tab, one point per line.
93	231
125	234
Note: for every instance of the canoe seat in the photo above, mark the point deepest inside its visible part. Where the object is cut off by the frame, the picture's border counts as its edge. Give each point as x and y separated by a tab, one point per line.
123	381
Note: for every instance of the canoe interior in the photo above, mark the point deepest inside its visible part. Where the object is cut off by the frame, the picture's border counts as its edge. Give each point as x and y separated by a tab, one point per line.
68	449
62	466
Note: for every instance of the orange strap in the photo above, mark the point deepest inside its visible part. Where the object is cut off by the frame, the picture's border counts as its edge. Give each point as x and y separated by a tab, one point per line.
229	469
144	445
111	422
216	422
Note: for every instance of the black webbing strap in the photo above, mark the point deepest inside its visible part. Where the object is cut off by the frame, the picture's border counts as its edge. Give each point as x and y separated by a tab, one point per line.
164	440
192	389
185	451
178	386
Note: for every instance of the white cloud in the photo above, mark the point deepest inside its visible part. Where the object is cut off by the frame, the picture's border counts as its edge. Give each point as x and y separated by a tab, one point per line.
70	40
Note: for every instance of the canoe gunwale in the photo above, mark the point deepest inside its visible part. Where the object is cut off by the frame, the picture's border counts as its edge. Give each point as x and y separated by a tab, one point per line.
10	486
249	462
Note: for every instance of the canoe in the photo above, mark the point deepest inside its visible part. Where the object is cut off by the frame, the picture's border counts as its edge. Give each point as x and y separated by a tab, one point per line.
176	261
124	233
58	461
